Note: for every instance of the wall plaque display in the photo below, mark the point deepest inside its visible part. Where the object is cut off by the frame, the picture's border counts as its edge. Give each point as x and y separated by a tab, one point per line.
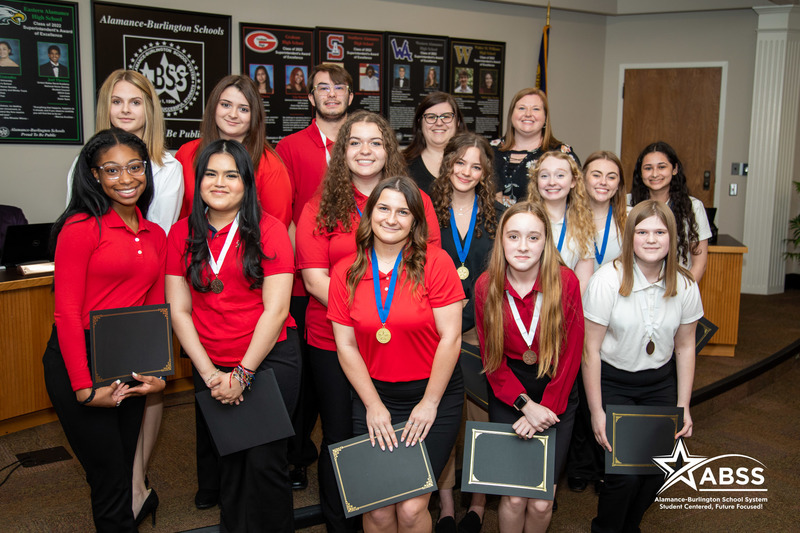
40	89
280	59
361	54
417	66
476	81
182	53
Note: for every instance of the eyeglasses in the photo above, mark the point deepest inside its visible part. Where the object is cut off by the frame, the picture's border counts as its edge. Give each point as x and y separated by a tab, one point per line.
431	118
112	171
324	89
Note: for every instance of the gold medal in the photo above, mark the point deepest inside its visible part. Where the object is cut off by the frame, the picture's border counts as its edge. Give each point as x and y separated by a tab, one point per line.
217	286
383	335
463	272
530	357
650	348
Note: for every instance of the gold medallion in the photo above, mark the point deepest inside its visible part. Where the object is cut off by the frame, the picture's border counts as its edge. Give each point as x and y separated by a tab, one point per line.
217	286
530	357
650	348
383	335
463	272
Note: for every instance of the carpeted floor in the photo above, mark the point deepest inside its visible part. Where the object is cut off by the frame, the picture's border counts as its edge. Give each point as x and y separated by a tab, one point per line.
763	425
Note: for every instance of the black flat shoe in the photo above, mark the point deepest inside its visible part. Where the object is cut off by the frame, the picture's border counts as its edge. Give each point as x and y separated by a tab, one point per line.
446	524
206	498
598	486
299	478
471	523
148	507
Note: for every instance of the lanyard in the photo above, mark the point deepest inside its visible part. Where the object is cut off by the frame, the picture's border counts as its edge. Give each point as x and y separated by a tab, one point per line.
463	251
602	253
216	265
383	309
527	335
357	209
563	233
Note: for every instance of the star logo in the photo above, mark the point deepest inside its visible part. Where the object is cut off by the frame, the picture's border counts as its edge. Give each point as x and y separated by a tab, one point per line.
669	465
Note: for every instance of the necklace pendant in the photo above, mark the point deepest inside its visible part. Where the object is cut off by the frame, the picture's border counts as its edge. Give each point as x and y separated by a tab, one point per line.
217	286
530	357
650	348
383	335
463	272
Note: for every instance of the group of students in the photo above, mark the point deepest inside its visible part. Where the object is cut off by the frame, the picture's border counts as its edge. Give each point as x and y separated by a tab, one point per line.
405	259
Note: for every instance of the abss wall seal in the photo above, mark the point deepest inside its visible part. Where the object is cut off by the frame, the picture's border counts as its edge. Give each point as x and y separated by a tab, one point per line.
173	72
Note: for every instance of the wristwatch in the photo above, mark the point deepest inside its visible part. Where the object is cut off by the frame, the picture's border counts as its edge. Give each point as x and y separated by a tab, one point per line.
521	400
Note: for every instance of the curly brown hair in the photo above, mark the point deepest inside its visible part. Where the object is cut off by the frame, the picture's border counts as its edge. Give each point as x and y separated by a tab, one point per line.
581	228
337	203
415	249
442	189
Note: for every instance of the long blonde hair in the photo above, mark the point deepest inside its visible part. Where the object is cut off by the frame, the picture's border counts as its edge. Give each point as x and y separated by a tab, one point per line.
551	323
153	135
672	267
580	229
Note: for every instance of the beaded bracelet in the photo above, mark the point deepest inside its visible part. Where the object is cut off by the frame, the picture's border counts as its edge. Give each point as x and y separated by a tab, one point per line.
212	376
244	376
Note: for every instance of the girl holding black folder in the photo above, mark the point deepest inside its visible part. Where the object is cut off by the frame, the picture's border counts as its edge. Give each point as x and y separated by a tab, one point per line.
639	309
229	278
530	326
107	255
396	311
463	196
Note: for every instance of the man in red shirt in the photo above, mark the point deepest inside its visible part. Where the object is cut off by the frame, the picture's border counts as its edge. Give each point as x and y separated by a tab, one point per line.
306	155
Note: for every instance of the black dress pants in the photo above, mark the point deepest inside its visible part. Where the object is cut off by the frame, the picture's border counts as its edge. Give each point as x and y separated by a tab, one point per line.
255	492
585	459
302	450
336	414
103	439
625	499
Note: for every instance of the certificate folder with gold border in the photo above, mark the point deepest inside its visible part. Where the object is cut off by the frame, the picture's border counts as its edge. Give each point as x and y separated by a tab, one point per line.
498	461
130	339
369	478
637	433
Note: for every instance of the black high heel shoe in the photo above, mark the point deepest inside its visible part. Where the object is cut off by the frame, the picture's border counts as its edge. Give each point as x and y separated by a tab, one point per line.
149	506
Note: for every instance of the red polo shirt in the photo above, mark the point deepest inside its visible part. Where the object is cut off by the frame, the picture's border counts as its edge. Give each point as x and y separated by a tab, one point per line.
322	249
408	356
102	268
505	384
304	156
272	183
226	321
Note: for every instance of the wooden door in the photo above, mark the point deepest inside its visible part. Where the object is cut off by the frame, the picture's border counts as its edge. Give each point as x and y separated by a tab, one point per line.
681	107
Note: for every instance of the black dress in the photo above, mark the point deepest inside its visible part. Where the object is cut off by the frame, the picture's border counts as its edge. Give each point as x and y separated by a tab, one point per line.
421	175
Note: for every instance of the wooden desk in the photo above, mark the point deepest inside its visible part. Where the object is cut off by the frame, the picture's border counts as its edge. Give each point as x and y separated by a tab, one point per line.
720	289
26	319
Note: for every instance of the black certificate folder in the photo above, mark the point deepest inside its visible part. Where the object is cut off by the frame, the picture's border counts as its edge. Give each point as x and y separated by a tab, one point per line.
130	339
498	461
370	478
637	433
261	418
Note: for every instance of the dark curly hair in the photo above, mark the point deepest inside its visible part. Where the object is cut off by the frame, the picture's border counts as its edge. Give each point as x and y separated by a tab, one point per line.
415	250
87	194
442	189
679	198
197	253
337	203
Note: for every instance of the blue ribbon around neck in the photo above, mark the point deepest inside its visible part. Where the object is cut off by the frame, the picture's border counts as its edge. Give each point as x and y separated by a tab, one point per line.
563	232
462	252
383	309
599	255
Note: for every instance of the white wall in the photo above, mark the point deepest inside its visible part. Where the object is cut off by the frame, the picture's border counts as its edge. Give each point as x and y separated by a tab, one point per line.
585	54
720	36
